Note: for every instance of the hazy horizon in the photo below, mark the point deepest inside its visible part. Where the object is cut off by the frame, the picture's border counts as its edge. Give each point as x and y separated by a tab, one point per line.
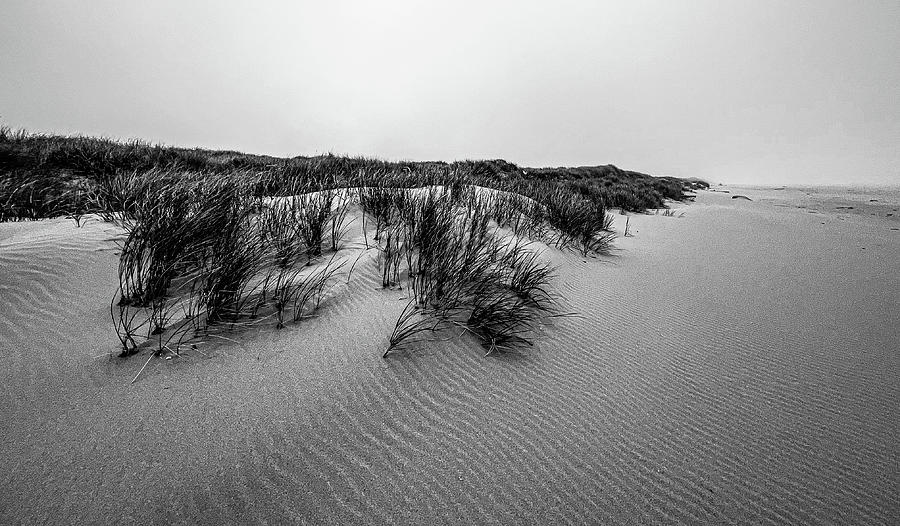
742	92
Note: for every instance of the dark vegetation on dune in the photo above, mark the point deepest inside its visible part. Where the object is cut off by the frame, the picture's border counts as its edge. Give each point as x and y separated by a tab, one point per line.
49	175
219	241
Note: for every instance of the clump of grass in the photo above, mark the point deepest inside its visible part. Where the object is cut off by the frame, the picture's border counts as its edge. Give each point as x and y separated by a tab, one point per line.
577	221
340	227
315	211
526	274
390	252
297	291
308	296
378	203
26	195
217	253
174	225
233	262
280	228
501	321
413	323
462	275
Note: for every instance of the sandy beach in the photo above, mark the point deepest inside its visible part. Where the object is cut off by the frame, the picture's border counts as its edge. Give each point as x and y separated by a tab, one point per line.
736	363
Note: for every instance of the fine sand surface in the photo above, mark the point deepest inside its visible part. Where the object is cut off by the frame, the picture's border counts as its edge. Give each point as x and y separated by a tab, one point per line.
738	364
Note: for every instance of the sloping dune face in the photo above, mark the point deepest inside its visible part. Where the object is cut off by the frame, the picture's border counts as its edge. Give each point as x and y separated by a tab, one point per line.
737	364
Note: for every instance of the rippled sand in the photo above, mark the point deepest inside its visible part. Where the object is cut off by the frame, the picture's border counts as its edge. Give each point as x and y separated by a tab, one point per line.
737	364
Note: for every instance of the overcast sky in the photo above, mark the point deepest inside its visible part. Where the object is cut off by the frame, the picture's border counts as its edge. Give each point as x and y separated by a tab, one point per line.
765	92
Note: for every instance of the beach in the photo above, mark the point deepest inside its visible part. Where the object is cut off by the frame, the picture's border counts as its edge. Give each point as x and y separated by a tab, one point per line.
736	362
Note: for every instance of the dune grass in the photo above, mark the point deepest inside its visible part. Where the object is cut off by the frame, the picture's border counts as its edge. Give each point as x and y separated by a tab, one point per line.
463	273
202	254
51	175
222	240
220	254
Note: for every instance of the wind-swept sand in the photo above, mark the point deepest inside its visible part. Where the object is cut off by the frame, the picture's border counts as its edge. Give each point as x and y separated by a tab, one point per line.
737	364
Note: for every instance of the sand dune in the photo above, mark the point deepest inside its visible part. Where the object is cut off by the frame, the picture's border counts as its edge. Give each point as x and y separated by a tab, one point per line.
735	365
